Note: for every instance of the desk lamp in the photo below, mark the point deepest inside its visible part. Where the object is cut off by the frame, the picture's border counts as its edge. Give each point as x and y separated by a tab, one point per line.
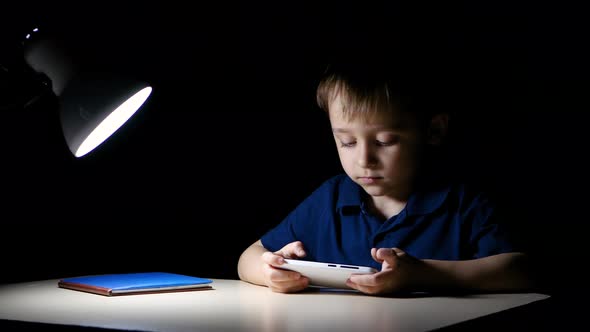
93	103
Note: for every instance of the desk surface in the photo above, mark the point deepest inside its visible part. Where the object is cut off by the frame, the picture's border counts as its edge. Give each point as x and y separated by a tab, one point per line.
234	305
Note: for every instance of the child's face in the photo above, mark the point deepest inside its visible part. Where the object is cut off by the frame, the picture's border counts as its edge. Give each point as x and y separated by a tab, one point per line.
381	153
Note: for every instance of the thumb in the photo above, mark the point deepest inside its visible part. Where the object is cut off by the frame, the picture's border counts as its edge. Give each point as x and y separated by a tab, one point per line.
292	250
389	258
297	249
272	259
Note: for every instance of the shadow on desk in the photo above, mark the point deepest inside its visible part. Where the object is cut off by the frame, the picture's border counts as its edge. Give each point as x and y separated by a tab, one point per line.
18	326
559	312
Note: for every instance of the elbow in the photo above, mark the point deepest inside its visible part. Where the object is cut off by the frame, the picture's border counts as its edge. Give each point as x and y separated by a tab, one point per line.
240	267
519	274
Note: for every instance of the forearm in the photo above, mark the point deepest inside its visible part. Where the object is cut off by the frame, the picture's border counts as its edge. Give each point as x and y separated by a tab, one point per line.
250	264
503	272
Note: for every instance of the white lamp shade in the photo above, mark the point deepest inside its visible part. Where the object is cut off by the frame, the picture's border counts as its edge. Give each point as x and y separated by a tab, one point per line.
93	102
94	105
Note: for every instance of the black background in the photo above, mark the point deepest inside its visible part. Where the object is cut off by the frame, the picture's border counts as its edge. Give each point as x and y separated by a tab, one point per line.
231	139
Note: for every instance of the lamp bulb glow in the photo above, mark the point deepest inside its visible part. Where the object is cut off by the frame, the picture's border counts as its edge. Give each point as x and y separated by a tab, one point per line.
113	121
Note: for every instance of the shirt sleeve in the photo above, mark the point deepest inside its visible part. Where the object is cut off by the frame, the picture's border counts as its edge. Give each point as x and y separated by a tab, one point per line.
283	233
491	231
302	223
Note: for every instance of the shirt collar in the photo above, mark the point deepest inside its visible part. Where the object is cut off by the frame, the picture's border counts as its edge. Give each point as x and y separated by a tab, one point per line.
351	194
427	200
428	197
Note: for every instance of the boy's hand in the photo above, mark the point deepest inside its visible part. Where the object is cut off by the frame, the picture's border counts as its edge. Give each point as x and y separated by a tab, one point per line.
279	280
398	270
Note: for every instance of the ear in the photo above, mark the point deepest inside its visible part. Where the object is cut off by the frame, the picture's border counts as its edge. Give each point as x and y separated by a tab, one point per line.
437	131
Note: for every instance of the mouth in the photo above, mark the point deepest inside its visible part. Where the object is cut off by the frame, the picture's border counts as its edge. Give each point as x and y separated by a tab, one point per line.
369	179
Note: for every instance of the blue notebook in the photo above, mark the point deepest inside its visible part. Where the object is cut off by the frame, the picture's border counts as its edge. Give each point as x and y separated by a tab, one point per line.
135	283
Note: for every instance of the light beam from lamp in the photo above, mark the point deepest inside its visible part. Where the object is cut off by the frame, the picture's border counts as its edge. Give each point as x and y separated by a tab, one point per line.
113	121
93	104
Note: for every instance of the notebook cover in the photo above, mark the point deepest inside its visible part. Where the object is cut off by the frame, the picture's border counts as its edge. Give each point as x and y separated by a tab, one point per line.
135	283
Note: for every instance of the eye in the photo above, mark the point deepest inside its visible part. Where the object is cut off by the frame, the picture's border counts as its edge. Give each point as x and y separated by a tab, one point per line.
347	144
388	142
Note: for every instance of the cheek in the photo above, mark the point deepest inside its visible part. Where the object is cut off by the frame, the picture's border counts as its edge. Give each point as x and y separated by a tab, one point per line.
393	160
403	161
343	155
346	158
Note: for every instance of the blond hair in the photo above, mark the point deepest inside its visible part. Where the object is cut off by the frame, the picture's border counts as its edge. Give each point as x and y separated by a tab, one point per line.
367	88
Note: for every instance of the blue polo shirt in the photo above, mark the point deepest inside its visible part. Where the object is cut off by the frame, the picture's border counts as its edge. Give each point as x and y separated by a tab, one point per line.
442	221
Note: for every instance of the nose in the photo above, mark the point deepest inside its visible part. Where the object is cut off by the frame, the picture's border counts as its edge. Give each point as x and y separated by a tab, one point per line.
366	156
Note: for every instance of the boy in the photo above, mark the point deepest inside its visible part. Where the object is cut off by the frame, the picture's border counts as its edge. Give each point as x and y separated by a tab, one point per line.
391	209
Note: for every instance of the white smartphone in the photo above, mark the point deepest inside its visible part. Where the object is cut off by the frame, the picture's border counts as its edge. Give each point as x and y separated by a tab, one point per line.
322	274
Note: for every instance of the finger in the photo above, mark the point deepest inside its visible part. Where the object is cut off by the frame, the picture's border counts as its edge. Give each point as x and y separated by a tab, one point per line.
380	254
362	288
364	279
301	252
290	286
374	255
292	250
272	259
398	251
388	257
280	275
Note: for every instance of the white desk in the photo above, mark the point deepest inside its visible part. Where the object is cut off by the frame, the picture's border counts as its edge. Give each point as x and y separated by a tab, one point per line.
238	306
